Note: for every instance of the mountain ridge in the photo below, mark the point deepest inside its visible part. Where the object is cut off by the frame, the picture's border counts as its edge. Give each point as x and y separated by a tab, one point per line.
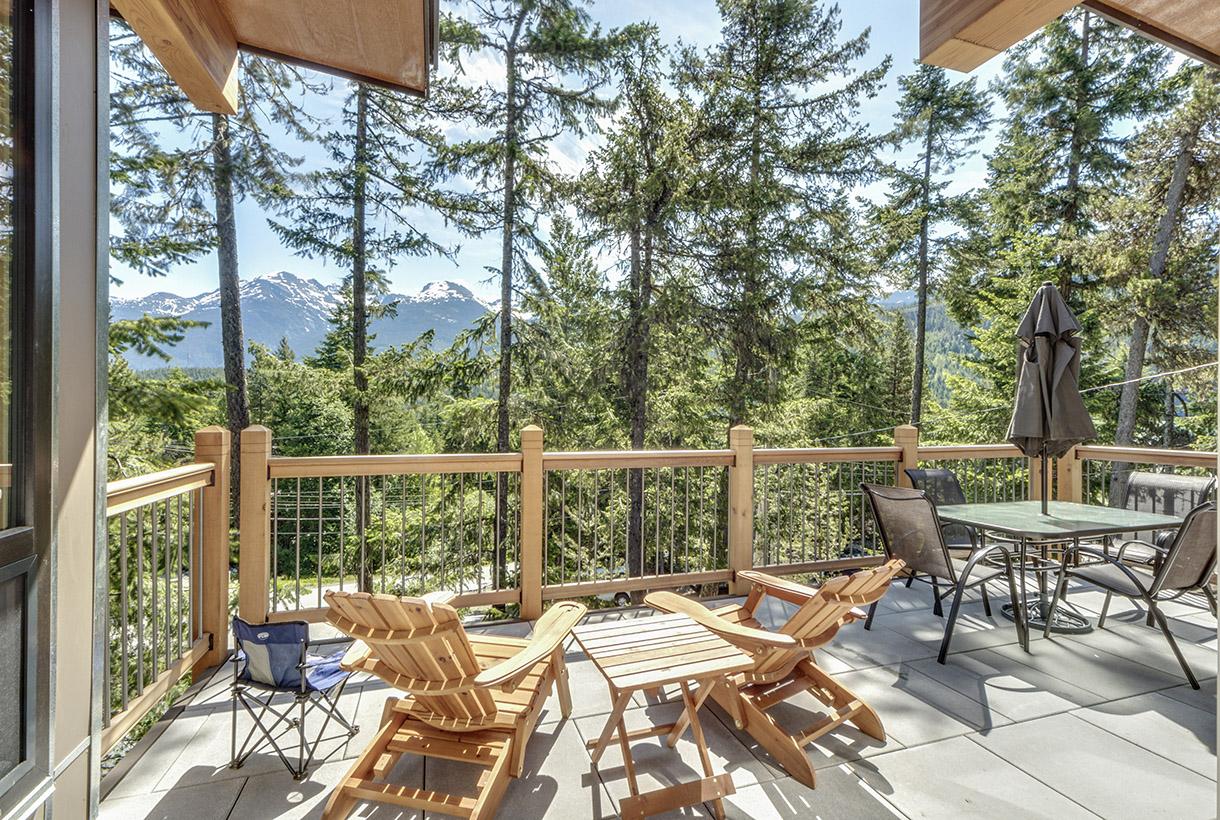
284	305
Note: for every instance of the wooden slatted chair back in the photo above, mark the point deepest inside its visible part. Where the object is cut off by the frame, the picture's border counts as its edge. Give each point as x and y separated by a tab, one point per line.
417	646
817	620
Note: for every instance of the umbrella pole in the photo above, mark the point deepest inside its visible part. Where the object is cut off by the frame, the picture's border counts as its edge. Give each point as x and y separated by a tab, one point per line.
1044	465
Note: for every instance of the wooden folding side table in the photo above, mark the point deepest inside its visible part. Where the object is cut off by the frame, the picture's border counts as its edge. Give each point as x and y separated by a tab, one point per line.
648	653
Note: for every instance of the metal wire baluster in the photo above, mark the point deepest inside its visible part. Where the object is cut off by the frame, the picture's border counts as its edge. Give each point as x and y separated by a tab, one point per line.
342	527
478	537
169	623
673	517
595	522
580	529
123	582
461	538
563	527
321	485
423	527
139	600
656	556
686	520
610	522
180	618
297	550
402	534
702	498
153	623
196	560
275	544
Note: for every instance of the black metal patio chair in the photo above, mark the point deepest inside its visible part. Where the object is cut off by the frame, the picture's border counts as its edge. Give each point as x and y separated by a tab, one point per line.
1164	493
911	530
273	660
1185	565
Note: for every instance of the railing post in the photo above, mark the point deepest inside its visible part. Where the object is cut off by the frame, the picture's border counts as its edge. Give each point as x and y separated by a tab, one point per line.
212	445
254	554
906	436
741	504
531	522
1035	479
1068	479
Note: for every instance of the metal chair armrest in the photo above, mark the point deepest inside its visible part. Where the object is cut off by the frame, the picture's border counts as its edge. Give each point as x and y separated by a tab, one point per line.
1162	551
1103	559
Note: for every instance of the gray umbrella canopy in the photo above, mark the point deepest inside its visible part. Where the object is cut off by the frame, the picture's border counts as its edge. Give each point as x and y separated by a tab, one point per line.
1048	416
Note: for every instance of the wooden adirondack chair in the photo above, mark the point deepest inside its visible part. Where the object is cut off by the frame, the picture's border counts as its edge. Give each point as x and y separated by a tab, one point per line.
784	664
470	698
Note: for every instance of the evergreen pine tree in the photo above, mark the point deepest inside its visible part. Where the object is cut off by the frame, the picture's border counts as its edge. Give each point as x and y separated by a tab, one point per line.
917	225
780	146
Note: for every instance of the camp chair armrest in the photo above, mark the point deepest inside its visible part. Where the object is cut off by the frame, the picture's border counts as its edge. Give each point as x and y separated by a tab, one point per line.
781	588
753	640
550	631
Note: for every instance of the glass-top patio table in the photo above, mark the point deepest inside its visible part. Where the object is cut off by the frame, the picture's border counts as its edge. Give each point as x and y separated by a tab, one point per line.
1064	522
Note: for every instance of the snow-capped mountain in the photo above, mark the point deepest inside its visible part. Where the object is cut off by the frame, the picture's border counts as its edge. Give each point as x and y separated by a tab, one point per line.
284	305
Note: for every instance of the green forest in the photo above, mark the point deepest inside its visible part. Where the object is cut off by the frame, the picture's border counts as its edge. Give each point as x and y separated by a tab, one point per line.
713	262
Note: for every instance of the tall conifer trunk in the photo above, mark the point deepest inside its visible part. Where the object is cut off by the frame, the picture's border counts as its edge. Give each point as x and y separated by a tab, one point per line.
921	307
237	407
1072	213
509	217
636	348
360	405
1137	351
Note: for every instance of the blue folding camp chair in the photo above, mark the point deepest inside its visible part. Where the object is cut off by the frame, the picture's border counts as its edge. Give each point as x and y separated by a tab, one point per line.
274	659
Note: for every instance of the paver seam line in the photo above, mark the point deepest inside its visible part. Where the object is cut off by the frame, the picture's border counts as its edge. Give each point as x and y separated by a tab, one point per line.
1049	786
237	799
1032	776
1135	743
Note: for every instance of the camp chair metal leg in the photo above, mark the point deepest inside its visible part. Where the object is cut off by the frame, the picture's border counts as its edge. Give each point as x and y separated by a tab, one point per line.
1173	644
1211	597
1105	607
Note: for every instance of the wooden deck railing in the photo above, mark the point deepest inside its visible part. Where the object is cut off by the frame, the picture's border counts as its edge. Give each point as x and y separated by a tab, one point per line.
573	524
168	551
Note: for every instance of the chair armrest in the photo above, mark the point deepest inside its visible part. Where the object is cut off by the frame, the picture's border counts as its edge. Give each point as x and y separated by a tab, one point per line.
748	638
1162	551
342	639
781	588
1103	559
355	657
441	596
549	634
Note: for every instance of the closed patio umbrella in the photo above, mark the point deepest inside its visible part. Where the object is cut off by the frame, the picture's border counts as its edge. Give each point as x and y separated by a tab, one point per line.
1048	415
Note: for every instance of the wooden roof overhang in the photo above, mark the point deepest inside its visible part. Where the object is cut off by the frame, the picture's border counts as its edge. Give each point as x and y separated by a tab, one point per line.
964	34
391	43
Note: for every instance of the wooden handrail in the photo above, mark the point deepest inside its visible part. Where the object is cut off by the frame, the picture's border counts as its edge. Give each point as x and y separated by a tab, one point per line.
931	452
624	459
325	466
129	493
826	455
1148	455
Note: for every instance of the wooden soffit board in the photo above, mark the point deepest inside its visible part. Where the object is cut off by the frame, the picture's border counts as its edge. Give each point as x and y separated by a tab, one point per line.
1190	26
964	34
387	42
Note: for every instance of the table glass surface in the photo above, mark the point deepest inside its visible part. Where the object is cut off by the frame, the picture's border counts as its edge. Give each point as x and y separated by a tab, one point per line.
1064	519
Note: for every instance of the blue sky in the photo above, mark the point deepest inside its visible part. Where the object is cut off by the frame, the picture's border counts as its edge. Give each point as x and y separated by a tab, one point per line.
894	30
